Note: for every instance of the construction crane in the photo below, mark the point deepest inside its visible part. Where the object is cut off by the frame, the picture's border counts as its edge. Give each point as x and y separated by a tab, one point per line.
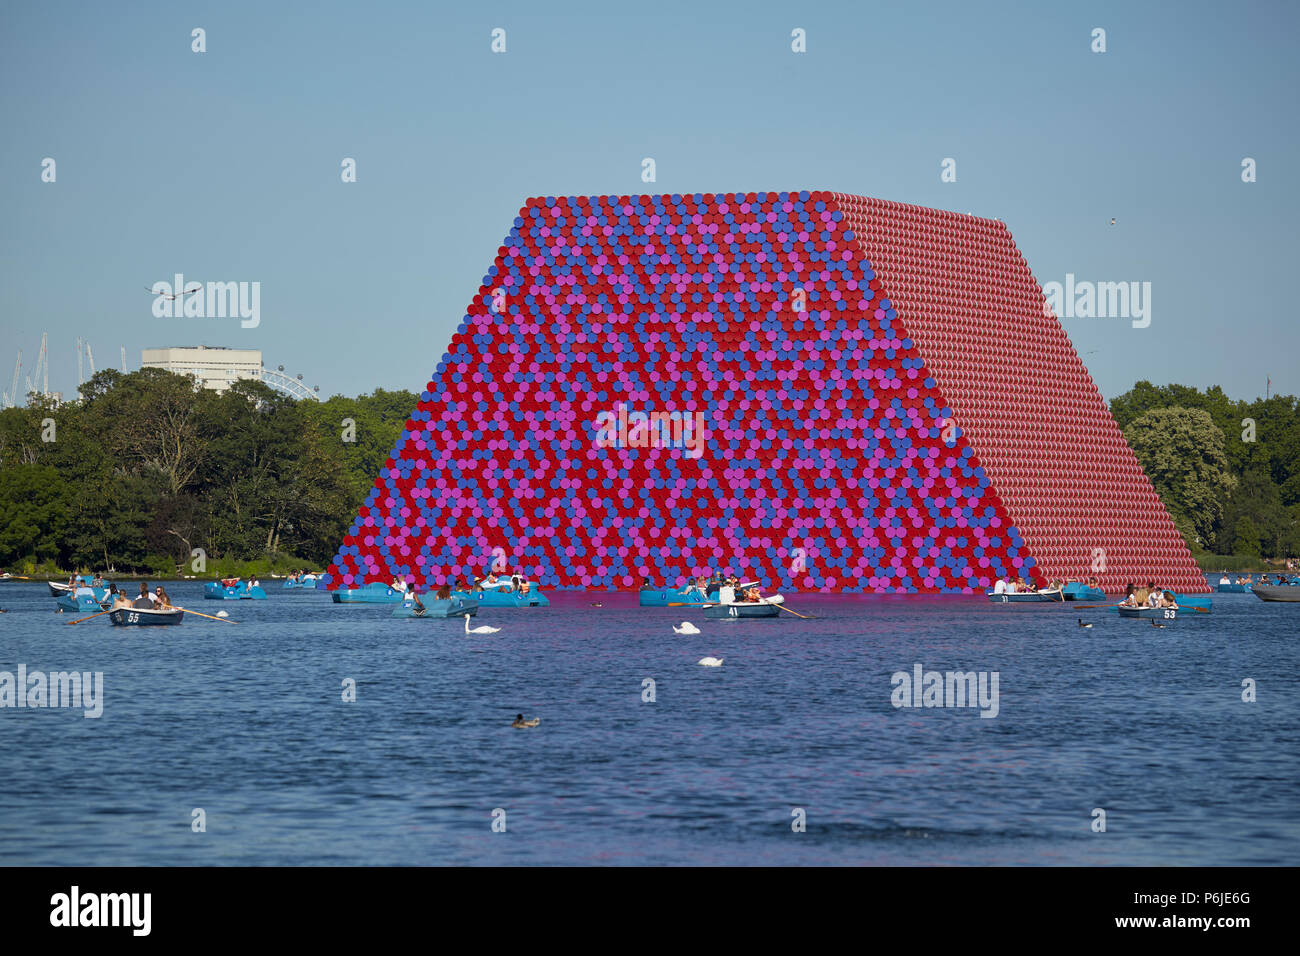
90	360
41	374
123	359
11	396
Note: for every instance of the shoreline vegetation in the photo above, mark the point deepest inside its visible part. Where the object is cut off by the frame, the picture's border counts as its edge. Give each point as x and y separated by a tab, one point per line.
149	475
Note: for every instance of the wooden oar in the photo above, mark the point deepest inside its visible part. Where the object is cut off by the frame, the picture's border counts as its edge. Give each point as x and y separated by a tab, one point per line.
782	607
223	620
80	619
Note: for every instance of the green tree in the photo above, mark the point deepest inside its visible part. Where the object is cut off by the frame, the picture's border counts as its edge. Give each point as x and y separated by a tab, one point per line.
33	513
1256	500
1182	452
1246	538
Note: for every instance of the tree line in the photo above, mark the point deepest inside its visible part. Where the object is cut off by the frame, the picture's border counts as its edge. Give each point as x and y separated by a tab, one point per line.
145	468
1228	471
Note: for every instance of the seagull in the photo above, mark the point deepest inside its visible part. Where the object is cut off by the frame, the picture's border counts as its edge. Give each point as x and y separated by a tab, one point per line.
1081	624
686	628
484	629
223	614
596	604
177	295
711	661
1112	220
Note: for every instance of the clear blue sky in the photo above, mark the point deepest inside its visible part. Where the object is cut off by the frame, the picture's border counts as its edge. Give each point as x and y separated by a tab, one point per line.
225	165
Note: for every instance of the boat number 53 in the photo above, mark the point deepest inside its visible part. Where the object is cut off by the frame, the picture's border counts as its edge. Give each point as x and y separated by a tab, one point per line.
1169	612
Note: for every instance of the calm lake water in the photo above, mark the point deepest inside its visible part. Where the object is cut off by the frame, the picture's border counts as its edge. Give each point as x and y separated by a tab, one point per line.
247	722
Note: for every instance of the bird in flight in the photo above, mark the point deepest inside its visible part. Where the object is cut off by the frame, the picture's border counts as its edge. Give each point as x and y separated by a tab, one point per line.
177	295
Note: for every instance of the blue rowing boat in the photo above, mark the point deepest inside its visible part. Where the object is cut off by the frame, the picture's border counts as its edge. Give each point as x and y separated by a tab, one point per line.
139	617
506	597
1026	597
225	591
58	589
1161	613
1232	588
307	581
743	610
676	597
78	603
1077	591
372	593
455	606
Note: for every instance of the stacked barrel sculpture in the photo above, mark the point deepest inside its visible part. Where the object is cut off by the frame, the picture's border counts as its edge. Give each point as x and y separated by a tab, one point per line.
812	390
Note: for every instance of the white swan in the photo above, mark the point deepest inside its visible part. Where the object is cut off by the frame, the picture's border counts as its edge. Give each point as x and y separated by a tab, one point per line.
484	629
686	628
711	661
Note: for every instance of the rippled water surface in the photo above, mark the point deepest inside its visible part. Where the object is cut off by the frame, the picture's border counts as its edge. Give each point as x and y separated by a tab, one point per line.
247	722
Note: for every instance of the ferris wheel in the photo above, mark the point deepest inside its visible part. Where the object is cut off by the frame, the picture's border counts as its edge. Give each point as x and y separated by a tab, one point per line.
279	380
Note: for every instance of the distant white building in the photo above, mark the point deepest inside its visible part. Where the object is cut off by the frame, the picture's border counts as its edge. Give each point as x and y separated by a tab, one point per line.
214	367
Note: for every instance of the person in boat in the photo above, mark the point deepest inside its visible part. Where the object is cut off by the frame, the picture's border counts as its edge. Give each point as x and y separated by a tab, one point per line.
1000	586
751	595
145	601
444	593
164	602
252	583
120	599
647	584
97	581
83	589
414	598
490	581
524	586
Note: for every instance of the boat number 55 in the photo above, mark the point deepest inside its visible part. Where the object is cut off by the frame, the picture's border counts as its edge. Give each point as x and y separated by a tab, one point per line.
132	618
